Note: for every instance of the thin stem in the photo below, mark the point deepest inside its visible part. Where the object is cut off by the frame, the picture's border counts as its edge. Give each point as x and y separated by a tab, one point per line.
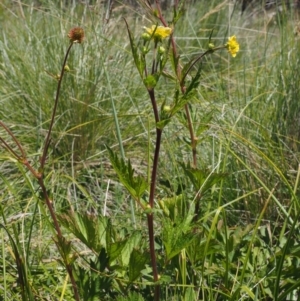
154	105
23	155
5	144
154	167
152	193
49	205
163	21
192	135
47	141
154	58
21	158
181	82
41	178
152	254
193	64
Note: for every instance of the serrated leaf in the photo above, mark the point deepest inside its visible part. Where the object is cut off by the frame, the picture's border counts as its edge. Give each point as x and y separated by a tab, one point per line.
90	230
132	296
173	207
205	119
132	242
135	185
202	179
103	260
115	249
64	248
92	284
197	249
168	75
137	264
177	237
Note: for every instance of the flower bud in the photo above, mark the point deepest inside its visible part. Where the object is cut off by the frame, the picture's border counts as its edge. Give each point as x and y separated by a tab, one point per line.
211	46
145	50
67	68
146	36
167	108
161	50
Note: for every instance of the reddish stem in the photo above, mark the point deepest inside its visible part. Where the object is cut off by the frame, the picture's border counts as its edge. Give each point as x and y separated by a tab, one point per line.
152	193
47	141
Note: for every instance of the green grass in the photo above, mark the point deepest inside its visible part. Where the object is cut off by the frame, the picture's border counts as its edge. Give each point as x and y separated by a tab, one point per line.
242	243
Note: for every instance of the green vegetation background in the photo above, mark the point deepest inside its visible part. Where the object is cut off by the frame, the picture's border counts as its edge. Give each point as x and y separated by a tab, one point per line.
246	240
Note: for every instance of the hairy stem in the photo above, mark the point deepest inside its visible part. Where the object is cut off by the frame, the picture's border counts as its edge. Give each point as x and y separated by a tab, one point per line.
150	218
192	135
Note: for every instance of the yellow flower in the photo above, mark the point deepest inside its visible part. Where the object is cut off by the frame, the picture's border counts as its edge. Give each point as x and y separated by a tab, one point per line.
159	32
76	35
233	46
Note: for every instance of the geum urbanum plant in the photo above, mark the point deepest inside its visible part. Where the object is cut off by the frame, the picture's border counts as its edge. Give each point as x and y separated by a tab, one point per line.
151	52
76	35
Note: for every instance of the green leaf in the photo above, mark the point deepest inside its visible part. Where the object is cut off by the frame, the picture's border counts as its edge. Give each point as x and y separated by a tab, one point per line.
21	268
136	185
64	248
173	207
197	249
165	58
139	60
174	60
115	250
179	11
132	296
194	83
248	291
205	120
162	123
177	236
181	100
190	294
202	179
89	229
132	242
168	75
137	264
92	284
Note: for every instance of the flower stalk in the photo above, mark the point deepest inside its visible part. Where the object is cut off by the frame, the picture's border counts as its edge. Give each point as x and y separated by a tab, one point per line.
76	35
150	77
150	217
